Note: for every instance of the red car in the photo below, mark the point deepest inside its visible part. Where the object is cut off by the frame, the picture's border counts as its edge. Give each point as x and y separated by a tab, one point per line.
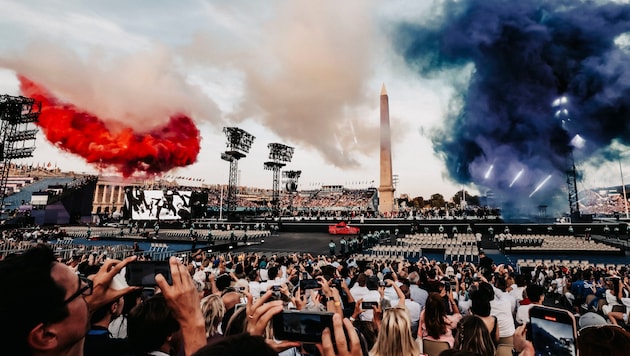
343	229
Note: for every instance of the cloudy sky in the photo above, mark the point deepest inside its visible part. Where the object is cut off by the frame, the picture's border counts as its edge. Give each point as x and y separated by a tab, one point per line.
302	73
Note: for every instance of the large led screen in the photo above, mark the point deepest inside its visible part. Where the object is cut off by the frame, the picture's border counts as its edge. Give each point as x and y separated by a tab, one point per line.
157	204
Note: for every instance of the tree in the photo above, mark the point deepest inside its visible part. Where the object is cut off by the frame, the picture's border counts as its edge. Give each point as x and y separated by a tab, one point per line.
437	200
418	203
470	199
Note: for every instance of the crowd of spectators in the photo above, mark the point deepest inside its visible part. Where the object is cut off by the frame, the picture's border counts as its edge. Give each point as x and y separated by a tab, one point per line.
225	304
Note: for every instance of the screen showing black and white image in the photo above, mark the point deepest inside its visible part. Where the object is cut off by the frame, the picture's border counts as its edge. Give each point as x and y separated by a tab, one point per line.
157	204
552	338
303	324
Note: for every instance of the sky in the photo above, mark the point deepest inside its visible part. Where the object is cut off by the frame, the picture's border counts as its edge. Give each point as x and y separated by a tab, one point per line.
302	73
306	74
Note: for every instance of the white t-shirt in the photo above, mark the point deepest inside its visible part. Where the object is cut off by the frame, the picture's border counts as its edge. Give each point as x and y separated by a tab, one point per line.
414	310
370	296
522	314
358	292
391	295
501	307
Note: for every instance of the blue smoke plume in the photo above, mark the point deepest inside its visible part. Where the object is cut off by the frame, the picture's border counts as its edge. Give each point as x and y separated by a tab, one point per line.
526	55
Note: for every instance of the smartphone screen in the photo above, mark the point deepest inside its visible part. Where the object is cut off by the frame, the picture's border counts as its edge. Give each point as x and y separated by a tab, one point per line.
309	284
553	331
142	273
368	305
293	325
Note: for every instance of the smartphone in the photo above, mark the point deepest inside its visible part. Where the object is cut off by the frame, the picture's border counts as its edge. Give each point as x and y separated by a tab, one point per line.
142	273
368	305
382	284
337	282
309	284
295	325
553	331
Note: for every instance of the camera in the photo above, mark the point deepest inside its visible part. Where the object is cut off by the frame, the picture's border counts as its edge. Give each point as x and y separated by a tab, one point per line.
382	284
293	325
142	273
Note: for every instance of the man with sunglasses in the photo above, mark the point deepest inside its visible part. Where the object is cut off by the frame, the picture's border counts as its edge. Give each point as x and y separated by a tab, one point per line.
45	307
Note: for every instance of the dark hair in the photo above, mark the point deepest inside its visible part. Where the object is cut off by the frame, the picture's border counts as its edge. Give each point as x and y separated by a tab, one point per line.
236	345
480	305
372	283
607	340
534	292
473	335
486	290
434	314
234	322
272	273
30	296
150	323
223	281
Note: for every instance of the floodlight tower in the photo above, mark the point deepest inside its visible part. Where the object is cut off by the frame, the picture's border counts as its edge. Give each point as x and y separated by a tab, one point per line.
238	145
291	183
562	113
17	133
279	155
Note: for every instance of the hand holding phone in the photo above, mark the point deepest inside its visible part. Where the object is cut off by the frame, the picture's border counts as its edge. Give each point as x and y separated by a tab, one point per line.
368	305
293	325
142	273
309	284
553	331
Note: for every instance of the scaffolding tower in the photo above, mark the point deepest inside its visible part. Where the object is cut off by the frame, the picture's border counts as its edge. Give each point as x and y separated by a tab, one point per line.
561	105
279	155
18	116
238	144
574	205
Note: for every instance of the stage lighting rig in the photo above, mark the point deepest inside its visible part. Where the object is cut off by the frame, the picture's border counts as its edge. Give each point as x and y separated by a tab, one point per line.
279	154
17	133
562	114
238	144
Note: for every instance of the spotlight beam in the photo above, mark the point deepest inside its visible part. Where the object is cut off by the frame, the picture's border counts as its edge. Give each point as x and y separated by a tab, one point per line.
518	175
540	185
489	171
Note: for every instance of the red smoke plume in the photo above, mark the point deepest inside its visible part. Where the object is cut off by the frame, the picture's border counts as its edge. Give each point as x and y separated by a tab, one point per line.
175	144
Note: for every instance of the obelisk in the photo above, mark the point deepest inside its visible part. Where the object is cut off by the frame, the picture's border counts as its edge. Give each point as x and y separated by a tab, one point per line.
386	187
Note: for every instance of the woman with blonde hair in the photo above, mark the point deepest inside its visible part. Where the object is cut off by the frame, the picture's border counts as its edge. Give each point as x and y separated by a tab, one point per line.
394	336
473	336
213	311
